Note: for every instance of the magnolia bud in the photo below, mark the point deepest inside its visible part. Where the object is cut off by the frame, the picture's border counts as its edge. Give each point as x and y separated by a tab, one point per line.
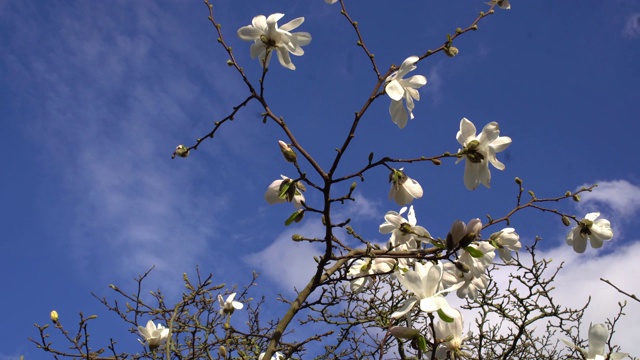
54	316
288	153
222	351
181	151
518	181
566	221
451	51
575	197
404	332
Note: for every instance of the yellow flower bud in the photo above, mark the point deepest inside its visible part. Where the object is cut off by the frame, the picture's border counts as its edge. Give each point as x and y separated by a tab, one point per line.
54	316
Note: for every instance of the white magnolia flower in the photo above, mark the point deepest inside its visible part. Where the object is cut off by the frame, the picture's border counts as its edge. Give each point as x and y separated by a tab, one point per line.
403	188
469	285
272	195
479	151
405	233
424	281
598	337
153	335
277	356
228	306
506	240
477	265
450	330
364	268
596	231
266	37
398	88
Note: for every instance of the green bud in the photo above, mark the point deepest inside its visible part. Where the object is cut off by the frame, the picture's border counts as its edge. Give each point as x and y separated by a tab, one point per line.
353	187
576	197
458	30
518	181
566	221
229	62
532	194
181	151
296	237
568	193
287	152
451	51
222	351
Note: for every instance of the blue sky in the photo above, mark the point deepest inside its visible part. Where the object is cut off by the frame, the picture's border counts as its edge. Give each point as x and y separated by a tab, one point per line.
97	94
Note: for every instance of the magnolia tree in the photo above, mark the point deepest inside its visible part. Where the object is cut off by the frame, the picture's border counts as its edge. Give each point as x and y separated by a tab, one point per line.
368	300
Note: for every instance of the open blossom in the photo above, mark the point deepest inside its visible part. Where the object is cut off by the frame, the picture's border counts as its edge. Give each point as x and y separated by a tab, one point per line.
477	265
229	305
403	188
506	240
424	281
362	269
399	88
469	285
596	231
293	194
405	233
479	151
266	37
598	337
153	335
450	330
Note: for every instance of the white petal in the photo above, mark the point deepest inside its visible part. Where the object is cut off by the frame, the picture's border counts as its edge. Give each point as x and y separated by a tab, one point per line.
394	90
407	65
490	132
292	24
260	22
501	143
598	336
249	33
257	50
398	113
405	308
273	19
413	188
285	59
301	38
471	175
417	81
601	230
592	216
467	132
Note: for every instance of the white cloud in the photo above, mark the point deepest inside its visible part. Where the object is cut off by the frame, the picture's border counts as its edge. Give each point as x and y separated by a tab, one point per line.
632	26
622	197
287	263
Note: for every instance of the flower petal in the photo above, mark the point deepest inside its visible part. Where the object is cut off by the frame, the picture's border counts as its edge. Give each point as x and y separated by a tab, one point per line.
292	24
249	33
467	132
398	114
394	90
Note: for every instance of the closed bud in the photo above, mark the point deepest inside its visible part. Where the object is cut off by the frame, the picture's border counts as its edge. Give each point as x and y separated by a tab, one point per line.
181	151
296	237
287	152
91	317
353	187
462	267
568	193
518	181
451	51
222	351
436	161
575	197
54	316
532	194
566	221
404	332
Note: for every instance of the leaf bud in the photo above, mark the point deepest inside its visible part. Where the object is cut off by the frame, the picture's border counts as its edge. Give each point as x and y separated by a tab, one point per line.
575	197
566	221
91	317
532	194
287	152
181	151
353	187
296	237
54	316
451	51
436	161
568	193
518	181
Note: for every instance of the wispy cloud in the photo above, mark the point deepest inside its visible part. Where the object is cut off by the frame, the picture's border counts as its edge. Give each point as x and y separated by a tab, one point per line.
622	197
107	117
632	26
